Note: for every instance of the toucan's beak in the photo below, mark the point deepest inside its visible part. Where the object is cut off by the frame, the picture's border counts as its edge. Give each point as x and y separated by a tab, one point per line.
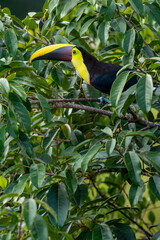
62	52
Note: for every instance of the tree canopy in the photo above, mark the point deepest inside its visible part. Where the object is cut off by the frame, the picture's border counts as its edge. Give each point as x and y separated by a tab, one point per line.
71	168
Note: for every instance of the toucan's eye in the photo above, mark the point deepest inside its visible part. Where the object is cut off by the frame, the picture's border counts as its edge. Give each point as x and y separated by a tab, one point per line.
74	51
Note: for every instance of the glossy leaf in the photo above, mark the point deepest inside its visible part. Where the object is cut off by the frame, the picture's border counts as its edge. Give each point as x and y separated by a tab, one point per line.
153	159
39	229
86	26
156	236
135	193
123	231
18	89
129	40
89	156
71	180
108	131
2	140
154	10
133	165
70	4
154	185
49	138
45	108
102	232
21	112
117	88
110	145
11	41
57	198
4	85
137	6
19	187
81	194
144	92
29	211
119	25
37	172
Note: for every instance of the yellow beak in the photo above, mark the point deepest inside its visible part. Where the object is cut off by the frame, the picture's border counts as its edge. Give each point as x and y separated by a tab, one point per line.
62	52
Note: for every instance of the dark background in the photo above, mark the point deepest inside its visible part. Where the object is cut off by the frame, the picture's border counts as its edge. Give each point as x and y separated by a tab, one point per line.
20	8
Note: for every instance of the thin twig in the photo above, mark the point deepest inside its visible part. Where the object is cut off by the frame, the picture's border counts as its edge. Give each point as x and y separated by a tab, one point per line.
148	234
130	25
36	38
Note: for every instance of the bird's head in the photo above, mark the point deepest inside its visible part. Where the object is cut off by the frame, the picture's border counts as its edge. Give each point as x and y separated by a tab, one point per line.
64	52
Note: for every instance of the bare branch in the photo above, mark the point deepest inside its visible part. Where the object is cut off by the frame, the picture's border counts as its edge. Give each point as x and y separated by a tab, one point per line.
66	103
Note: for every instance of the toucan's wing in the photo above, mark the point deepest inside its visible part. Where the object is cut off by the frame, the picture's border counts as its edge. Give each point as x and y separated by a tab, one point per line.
104	81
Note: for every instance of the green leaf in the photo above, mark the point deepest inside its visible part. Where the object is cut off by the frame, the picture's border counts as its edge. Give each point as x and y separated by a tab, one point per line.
102	32
21	112
144	92
8	196
43	157
19	187
47	207
11	169
142	134
129	39
133	165
80	11
25	144
71	180
102	232
11	41
156	236
135	193
18	89
37	172
154	185
123	231
109	10
154	10
152	158
1	28
137	6
3	182
110	145
49	138
119	25
29	211
52	5
12	126
89	156
2	140
117	88
86	25
39	229
81	194
46	110
4	85
108	131
70	4
57	198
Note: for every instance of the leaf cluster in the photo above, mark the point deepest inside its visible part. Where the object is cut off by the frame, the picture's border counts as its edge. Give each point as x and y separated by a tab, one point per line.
67	173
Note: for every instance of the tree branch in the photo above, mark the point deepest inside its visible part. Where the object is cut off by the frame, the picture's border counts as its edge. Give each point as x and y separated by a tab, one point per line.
66	103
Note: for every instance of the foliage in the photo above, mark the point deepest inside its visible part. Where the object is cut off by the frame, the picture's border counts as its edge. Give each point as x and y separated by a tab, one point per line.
67	173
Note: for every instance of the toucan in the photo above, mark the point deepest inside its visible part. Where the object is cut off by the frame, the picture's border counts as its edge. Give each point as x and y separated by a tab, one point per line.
99	74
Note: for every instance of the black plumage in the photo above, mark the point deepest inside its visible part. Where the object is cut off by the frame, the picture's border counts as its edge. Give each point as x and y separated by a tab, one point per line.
102	75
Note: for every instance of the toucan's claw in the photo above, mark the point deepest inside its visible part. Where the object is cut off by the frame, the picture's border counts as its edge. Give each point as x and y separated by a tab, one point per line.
104	101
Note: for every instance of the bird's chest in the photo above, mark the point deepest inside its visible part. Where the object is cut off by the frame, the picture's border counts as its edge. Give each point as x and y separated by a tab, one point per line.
103	82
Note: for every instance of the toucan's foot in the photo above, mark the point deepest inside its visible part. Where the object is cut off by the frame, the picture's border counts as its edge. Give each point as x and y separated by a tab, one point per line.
104	100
